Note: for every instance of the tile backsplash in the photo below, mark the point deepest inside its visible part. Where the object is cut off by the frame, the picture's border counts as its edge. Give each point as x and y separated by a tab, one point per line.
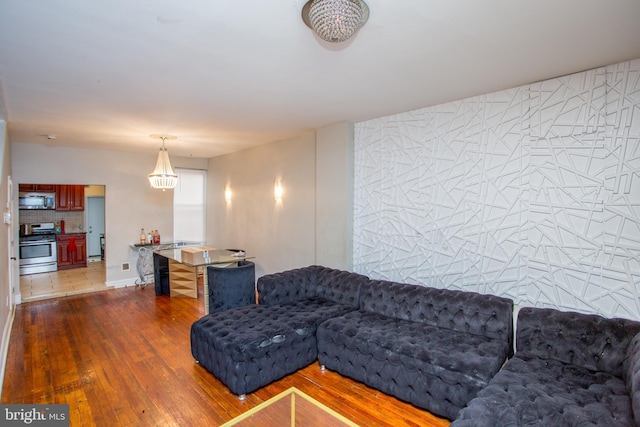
73	220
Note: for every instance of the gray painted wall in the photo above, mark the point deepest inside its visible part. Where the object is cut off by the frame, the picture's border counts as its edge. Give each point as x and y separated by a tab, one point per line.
280	235
334	196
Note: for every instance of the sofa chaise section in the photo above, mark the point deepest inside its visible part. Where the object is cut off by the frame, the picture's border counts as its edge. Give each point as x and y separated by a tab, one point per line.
434	348
252	346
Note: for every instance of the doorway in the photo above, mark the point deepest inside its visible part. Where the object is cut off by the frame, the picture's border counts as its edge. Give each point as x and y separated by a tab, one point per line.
89	221
94	221
95	225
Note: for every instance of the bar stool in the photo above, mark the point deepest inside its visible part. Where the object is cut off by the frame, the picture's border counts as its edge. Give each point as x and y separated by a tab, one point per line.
231	287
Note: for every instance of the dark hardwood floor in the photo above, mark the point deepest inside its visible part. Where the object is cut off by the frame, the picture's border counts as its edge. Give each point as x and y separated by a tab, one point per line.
122	358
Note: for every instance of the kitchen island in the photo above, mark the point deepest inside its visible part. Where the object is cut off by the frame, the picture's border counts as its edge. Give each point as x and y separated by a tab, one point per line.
178	277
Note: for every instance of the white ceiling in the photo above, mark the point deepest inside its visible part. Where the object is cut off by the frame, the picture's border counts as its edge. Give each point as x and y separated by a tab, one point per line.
223	75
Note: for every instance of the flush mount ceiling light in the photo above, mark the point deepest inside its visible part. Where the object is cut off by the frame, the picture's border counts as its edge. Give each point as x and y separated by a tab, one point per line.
335	20
162	176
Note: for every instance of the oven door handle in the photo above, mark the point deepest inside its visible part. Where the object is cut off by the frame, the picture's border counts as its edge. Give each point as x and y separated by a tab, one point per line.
41	242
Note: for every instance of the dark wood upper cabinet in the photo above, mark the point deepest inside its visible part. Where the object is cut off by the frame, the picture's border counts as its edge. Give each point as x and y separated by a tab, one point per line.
70	198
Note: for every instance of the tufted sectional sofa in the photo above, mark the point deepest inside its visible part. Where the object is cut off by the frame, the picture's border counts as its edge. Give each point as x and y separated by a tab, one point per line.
570	369
442	350
434	348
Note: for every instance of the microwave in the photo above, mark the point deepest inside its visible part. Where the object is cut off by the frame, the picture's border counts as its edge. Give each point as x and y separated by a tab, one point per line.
37	200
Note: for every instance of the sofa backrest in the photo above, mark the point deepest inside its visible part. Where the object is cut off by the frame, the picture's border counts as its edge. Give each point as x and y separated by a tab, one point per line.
632	375
287	286
339	286
587	340
485	315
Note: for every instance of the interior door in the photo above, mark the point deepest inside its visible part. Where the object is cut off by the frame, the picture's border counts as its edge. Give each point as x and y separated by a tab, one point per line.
95	224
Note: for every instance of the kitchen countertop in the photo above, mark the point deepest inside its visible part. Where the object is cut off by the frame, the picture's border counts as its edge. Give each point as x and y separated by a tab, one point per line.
216	256
70	233
164	245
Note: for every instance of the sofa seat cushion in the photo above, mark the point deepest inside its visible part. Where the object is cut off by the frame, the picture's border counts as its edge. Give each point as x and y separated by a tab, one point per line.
249	347
437	350
544	392
311	312
433	368
248	332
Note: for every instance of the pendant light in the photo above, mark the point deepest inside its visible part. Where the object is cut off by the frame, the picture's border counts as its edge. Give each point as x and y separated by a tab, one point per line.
163	176
335	21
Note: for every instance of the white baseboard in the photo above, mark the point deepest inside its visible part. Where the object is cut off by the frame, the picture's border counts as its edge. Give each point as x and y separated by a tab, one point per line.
4	346
121	283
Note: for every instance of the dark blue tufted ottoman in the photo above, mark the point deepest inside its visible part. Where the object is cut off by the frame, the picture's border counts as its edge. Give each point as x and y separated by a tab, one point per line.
249	347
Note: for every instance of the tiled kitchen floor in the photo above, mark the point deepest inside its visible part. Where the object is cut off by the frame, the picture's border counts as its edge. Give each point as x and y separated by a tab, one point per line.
65	282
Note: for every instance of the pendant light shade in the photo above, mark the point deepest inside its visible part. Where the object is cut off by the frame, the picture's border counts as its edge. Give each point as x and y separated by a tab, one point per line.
335	21
163	176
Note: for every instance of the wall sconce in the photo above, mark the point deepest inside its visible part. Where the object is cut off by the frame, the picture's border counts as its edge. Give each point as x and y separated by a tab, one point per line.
227	193
277	190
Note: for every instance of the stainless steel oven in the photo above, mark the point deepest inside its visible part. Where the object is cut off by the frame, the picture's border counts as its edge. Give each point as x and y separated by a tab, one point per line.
38	251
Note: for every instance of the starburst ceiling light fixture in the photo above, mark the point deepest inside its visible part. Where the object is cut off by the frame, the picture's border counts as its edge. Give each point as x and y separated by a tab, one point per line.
335	21
163	176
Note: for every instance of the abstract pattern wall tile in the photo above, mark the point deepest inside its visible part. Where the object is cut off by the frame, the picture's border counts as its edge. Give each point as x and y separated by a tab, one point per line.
568	106
531	193
621	192
567	148
493	228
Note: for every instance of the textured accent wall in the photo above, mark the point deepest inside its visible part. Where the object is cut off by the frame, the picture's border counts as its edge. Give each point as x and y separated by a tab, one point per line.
531	193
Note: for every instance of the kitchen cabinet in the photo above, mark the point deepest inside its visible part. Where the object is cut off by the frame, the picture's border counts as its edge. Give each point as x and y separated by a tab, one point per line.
41	188
70	198
72	250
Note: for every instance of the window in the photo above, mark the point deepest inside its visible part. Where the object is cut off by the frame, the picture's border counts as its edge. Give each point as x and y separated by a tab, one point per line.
189	205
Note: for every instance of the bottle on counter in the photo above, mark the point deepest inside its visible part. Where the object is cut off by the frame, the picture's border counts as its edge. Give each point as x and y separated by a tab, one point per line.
156	237
143	237
58	229
62	226
149	238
